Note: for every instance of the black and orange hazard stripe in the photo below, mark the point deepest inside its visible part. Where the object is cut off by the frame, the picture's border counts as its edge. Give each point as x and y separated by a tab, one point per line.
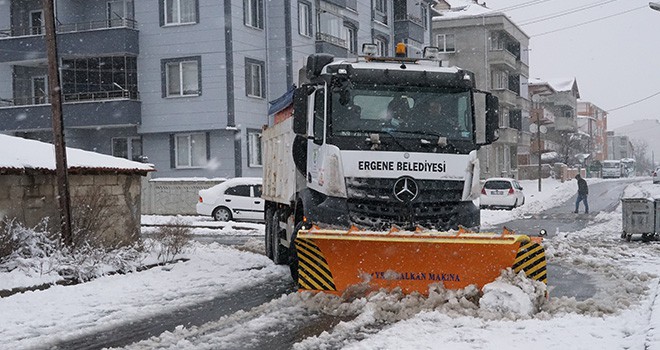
313	270
531	259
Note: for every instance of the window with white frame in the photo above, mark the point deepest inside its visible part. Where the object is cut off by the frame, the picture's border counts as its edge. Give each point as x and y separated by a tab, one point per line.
127	147
382	47
350	38
190	150
446	42
179	12
500	80
305	19
380	11
253	13
254	78
254	148
330	24
182	76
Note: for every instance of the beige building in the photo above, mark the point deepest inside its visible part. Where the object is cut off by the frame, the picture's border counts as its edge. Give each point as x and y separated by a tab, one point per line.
489	44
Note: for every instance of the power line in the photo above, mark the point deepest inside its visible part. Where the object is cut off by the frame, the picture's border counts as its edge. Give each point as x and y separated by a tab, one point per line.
563	13
633	103
587	22
522	5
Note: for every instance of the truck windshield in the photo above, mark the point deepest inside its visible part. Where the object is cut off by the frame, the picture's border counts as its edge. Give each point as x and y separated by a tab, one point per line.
409	110
610	165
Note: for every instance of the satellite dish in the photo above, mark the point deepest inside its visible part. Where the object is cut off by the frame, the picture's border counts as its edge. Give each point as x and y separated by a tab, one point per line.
533	128
543	129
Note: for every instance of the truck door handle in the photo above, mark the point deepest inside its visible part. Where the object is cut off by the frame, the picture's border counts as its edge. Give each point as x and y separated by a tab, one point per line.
257	202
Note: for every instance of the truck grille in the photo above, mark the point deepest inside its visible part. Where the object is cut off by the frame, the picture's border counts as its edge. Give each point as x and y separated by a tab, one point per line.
371	203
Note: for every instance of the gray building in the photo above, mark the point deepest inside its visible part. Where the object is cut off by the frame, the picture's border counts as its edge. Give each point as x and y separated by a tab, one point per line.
184	84
489	44
619	146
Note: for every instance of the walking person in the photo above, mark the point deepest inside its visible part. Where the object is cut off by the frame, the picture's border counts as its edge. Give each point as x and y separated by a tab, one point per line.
583	192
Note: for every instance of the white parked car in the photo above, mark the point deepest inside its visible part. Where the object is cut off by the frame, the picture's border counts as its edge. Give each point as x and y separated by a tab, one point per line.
656	175
235	199
501	192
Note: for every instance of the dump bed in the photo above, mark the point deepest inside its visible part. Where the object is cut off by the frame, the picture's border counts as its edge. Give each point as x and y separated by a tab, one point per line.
279	179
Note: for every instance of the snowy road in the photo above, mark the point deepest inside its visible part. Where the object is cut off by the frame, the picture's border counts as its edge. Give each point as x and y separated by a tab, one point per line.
197	302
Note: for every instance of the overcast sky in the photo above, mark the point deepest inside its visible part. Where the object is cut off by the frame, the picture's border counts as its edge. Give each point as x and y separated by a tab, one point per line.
616	58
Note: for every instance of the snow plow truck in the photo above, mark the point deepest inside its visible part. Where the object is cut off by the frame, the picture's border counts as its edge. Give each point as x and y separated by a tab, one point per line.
370	172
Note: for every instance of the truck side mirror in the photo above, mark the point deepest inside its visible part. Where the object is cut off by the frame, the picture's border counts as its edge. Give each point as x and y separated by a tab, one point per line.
300	96
492	118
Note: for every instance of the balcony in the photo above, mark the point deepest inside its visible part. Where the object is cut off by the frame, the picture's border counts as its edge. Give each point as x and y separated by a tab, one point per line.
545	116
331	44
99	38
546	145
108	108
506	97
523	68
502	59
407	26
508	136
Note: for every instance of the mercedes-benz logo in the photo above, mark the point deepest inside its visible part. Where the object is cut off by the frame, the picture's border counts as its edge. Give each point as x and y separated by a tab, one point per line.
405	189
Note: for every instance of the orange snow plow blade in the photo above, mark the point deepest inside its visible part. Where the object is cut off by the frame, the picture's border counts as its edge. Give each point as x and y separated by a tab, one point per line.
332	260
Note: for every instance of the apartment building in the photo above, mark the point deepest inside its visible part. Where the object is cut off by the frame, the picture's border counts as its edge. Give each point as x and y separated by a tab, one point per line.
183	84
592	120
555	107
489	44
619	146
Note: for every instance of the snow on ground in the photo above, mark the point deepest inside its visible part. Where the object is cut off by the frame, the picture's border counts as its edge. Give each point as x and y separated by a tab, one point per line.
511	312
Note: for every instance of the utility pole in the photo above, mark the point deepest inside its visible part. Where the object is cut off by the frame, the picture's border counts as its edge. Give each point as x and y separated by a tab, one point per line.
55	96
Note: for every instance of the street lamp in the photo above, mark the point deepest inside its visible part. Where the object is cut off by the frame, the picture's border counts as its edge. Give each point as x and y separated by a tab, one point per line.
654	5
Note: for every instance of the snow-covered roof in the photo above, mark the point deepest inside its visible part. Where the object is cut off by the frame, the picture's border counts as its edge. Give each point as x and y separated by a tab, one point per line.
20	154
562	84
463	8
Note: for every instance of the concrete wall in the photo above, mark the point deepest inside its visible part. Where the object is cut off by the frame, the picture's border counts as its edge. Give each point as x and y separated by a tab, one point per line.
31	198
173	196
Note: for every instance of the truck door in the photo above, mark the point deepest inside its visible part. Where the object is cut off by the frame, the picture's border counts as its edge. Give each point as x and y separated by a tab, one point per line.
316	136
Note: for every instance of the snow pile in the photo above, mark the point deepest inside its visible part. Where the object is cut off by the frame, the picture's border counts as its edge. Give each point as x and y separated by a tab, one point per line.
513	296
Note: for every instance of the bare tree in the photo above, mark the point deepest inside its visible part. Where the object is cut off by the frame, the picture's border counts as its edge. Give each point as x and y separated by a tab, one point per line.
640	150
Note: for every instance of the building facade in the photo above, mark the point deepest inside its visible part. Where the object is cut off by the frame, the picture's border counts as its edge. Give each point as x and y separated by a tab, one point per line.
593	121
619	146
185	84
555	114
495	49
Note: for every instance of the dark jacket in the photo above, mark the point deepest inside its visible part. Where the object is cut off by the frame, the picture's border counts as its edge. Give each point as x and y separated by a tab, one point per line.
582	186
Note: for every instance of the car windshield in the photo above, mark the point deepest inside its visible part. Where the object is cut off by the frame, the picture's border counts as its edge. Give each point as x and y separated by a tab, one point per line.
610	165
409	110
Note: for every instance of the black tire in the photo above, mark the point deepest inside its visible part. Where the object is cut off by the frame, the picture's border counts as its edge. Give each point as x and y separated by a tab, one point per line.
293	255
628	237
280	252
268	220
623	234
222	214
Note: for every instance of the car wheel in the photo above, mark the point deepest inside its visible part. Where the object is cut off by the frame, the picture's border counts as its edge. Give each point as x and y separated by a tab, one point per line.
221	214
515	204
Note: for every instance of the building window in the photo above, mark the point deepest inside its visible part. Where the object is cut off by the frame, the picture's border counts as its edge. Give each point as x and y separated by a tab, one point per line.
330	28
350	37
127	147
190	150
254	148
568	113
500	80
446	42
182	77
99	78
177	12
253	15
380	11
305	19
382	47
37	22
254	78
